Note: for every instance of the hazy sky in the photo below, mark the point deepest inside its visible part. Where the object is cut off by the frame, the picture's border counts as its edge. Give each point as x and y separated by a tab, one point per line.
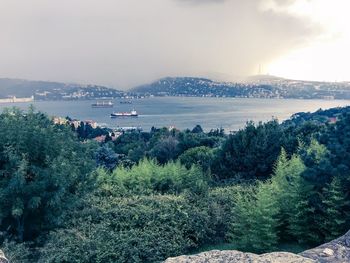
128	42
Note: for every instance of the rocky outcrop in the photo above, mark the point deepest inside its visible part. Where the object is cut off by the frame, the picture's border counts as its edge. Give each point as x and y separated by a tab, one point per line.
336	251
3	259
233	256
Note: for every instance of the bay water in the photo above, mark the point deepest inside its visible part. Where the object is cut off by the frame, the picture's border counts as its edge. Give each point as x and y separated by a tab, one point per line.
184	112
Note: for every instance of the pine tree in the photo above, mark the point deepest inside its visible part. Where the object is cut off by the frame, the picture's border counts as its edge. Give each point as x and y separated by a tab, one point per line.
256	222
290	191
334	223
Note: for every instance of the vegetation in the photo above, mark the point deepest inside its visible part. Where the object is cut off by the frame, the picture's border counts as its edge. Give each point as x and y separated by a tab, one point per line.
150	195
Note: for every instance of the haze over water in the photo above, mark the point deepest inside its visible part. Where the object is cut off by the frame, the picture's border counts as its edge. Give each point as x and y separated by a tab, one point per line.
184	112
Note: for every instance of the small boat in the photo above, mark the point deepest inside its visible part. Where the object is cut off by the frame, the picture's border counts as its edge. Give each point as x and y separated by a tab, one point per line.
132	113
102	104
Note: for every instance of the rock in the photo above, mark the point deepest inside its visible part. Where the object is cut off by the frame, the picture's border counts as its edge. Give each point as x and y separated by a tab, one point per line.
327	252
336	251
3	259
233	256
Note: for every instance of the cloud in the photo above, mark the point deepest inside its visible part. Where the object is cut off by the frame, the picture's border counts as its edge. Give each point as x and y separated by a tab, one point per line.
277	2
202	1
126	43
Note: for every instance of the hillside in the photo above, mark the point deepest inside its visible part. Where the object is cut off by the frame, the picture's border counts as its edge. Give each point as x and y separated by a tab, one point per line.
202	87
46	90
254	87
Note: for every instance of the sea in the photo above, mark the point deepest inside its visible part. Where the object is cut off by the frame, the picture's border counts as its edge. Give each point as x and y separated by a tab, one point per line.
231	114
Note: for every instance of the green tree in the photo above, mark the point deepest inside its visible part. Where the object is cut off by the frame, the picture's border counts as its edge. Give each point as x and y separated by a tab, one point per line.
165	150
291	190
197	129
335	204
250	153
308	221
255	224
202	156
106	157
41	168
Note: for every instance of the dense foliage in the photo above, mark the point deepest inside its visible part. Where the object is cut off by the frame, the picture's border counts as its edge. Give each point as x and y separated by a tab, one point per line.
149	195
41	168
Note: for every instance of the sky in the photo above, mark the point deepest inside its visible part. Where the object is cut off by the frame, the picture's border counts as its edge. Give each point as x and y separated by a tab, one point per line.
125	43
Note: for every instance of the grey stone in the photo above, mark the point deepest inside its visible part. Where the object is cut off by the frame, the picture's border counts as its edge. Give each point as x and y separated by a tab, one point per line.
3	259
340	248
336	251
233	256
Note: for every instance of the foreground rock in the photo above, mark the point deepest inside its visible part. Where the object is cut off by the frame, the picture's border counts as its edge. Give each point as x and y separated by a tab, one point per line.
3	259
336	251
228	256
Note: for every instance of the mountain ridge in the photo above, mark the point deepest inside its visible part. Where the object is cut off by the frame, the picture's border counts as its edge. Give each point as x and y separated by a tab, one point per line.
42	90
256	87
259	86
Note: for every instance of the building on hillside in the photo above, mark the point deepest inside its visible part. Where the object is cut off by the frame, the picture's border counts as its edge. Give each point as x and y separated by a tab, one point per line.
332	120
14	99
75	123
101	138
59	120
92	123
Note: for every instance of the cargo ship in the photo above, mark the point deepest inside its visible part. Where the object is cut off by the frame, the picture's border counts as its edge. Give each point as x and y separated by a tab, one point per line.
132	113
125	102
102	104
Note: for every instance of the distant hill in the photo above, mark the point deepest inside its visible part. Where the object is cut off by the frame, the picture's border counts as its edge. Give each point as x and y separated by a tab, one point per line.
202	87
53	90
262	86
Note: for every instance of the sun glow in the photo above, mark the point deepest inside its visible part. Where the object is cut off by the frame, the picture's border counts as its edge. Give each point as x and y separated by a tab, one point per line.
328	56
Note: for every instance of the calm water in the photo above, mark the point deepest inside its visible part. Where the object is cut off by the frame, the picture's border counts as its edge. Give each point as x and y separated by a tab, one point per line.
210	113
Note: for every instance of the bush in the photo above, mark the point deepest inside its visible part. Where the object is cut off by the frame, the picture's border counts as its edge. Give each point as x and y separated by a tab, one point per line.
148	177
137	229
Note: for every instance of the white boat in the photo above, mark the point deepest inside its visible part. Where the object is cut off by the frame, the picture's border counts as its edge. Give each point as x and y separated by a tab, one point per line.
132	113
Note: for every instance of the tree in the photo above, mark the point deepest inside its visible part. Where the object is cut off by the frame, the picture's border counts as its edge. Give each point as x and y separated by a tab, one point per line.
201	156
336	212
106	157
291	189
255	224
165	150
197	129
81	131
41	166
250	153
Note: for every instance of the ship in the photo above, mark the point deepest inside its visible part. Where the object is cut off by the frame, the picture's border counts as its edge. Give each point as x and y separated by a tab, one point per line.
125	102
132	113
102	104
